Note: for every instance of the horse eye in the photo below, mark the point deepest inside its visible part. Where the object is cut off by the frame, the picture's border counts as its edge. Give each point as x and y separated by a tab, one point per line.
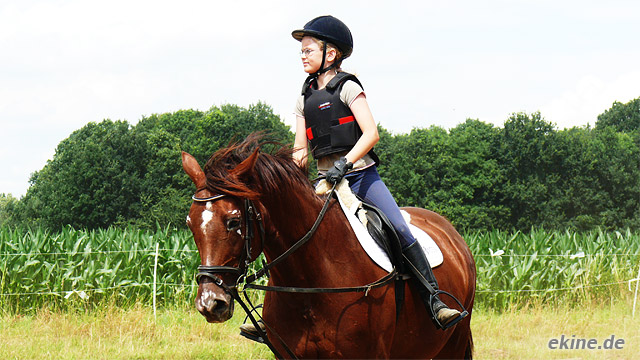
233	224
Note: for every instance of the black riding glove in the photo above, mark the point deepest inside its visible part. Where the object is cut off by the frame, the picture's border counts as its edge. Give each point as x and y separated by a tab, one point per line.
339	169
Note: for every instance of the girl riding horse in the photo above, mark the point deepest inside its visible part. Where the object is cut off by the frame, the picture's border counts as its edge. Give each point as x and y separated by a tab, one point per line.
334	122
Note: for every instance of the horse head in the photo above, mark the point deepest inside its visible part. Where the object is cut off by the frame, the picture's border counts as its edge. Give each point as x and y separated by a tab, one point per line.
243	191
222	227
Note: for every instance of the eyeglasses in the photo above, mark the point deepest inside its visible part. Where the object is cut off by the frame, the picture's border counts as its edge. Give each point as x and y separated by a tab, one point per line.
306	52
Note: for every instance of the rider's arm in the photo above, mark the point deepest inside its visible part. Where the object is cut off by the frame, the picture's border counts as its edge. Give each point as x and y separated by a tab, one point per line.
360	109
301	148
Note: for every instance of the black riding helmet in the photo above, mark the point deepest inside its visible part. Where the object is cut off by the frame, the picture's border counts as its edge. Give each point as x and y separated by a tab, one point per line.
329	29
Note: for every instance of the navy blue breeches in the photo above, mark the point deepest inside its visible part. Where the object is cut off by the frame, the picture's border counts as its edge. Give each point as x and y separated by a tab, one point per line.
369	187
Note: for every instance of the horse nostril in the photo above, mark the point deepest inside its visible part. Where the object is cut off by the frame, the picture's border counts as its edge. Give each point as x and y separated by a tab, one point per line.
215	305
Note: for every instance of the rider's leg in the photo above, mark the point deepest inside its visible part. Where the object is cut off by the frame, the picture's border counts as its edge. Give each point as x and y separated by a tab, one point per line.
419	266
367	185
371	189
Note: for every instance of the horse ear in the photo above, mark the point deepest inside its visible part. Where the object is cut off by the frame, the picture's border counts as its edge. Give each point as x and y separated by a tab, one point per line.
193	169
243	169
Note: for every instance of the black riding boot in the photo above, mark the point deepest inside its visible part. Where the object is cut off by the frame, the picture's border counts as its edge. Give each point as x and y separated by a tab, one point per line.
419	265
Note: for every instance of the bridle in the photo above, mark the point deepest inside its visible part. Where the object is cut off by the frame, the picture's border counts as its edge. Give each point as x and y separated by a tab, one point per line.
251	218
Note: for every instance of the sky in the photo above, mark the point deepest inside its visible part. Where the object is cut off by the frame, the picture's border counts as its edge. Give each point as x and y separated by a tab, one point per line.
64	64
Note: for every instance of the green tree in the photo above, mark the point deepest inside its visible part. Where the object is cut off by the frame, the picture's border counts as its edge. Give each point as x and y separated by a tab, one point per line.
7	209
479	176
413	164
598	180
618	174
524	149
167	191
470	188
202	133
93	180
454	173
622	117
112	173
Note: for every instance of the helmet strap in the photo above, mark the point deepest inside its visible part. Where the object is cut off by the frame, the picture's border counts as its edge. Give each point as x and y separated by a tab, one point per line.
322	68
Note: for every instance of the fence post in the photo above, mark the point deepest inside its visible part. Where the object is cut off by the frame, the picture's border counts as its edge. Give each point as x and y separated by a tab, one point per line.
635	296
155	276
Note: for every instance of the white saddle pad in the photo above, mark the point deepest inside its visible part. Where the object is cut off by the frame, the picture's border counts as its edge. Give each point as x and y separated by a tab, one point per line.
375	251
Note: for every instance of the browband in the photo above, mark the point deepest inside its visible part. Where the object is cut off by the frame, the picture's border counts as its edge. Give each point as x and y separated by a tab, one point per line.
215	197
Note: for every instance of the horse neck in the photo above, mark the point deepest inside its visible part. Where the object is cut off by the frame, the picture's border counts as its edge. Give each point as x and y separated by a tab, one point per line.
292	212
332	248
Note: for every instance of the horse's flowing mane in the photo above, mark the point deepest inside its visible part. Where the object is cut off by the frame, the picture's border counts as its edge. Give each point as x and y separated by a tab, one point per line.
254	167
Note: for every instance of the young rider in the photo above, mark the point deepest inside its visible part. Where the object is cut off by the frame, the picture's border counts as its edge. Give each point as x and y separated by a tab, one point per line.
334	121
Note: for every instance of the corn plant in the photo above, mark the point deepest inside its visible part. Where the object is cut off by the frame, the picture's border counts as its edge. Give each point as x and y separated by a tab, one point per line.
544	266
39	268
76	268
87	268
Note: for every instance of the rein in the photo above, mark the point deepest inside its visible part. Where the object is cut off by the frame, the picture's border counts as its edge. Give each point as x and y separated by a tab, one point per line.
251	215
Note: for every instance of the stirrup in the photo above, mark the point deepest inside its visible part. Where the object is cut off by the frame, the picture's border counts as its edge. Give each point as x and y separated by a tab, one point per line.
253	334
464	313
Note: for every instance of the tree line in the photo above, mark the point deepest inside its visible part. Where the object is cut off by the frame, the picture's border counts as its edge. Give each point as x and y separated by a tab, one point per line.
527	173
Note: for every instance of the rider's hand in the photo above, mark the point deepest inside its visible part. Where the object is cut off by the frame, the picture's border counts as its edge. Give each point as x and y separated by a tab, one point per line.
339	169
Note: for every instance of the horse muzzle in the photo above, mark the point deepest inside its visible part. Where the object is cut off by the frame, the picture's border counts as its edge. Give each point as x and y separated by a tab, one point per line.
215	304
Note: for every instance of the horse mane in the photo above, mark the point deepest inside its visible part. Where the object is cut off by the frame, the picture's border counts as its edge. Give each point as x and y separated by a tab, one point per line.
254	167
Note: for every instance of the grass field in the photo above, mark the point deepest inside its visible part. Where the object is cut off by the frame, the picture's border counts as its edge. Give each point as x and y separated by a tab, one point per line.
183	334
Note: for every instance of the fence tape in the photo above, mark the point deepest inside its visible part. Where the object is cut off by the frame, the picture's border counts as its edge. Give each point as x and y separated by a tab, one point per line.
571	256
93	252
67	293
557	289
498	253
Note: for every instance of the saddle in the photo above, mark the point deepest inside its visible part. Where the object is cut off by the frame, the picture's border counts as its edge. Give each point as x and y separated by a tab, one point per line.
383	233
375	232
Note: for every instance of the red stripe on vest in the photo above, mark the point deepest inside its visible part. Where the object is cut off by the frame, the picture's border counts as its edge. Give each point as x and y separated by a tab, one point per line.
345	120
309	134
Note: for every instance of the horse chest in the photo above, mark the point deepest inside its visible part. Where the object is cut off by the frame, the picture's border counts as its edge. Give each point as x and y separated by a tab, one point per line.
309	315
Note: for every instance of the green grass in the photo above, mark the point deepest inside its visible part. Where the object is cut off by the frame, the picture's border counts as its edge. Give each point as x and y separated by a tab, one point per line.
181	333
525	332
537	290
116	333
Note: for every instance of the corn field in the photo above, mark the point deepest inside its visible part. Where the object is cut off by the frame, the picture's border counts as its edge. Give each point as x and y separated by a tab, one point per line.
543	266
79	269
74	267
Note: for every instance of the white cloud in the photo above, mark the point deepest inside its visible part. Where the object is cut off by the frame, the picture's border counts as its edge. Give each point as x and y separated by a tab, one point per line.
590	97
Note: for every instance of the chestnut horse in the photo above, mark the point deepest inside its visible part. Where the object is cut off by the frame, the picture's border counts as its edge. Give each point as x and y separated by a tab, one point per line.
283	207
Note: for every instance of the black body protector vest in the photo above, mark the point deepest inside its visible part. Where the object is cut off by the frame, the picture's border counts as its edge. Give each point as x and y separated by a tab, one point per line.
331	126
